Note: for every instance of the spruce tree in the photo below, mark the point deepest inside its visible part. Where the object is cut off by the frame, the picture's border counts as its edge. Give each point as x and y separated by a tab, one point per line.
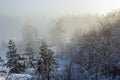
29	55
48	64
12	58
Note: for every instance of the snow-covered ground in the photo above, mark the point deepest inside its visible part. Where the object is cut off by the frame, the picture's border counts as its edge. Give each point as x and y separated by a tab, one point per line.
15	77
20	77
2	78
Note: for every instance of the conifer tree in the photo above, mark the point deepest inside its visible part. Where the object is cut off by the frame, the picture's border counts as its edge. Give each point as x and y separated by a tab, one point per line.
29	55
48	64
12	58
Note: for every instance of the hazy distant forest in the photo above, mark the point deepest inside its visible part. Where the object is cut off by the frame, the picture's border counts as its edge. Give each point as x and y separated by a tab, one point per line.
76	48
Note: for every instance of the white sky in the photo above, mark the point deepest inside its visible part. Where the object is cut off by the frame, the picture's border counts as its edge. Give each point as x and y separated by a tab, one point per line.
57	7
48	8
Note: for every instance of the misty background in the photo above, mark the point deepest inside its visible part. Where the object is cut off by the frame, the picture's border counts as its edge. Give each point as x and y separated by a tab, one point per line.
66	39
25	20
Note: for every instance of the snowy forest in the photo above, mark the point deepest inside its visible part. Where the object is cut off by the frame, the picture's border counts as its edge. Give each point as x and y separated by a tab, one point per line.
54	40
93	54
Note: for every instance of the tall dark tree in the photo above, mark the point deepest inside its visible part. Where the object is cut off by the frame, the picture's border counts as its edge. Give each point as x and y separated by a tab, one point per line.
12	58
48	64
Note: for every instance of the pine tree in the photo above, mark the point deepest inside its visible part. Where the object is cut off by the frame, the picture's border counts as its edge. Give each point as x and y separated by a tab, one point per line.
12	58
48	64
29	56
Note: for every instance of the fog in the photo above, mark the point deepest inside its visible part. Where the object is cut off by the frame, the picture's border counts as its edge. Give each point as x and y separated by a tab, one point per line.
43	15
60	39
